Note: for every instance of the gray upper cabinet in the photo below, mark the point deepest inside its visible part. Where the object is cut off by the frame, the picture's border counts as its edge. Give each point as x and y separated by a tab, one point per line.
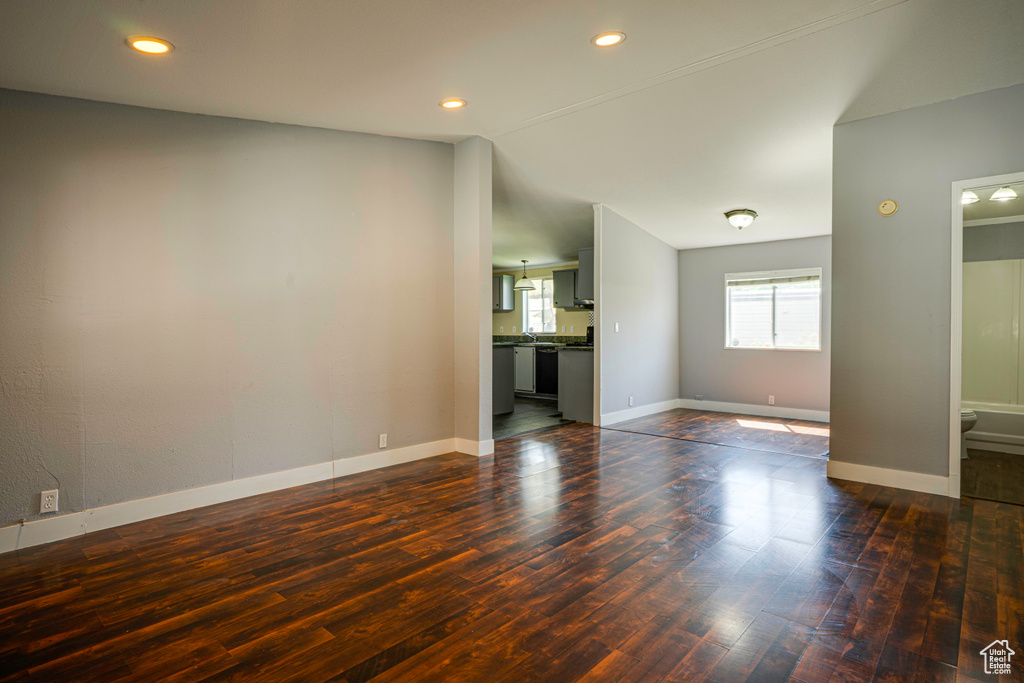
565	288
585	278
575	288
503	296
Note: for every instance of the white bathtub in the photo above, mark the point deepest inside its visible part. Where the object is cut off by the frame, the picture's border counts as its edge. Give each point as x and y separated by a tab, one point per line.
1000	427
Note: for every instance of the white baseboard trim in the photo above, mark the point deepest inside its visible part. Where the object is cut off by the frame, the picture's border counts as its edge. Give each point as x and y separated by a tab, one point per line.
995	447
477	448
900	479
752	409
96	519
1000	443
395	456
608	419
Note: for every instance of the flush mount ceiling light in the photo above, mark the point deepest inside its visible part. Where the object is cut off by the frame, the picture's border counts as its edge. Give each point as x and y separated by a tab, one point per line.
608	39
524	284
453	104
741	218
968	197
150	45
1003	194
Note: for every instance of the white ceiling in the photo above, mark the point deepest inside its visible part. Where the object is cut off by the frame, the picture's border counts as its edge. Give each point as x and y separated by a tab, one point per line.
709	105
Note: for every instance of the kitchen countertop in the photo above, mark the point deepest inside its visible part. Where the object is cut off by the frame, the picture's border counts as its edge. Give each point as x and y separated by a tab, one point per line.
547	345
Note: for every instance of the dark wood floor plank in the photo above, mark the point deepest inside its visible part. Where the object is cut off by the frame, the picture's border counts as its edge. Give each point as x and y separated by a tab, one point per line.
575	553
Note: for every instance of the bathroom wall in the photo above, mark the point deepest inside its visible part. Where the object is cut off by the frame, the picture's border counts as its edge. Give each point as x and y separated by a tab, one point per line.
992	352
994	242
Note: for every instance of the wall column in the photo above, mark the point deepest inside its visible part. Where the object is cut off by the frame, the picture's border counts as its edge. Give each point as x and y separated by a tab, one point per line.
473	297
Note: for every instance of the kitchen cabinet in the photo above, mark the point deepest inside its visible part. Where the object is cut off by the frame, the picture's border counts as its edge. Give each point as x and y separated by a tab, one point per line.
525	374
575	288
585	276
576	384
503	380
503	296
565	288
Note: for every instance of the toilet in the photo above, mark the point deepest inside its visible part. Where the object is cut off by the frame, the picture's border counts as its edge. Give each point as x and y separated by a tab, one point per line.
968	418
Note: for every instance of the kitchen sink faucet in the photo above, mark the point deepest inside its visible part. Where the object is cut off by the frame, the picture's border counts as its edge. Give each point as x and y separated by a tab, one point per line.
530	336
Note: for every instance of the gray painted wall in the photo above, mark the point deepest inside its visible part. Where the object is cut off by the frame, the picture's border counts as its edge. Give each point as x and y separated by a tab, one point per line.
1003	241
797	379
891	276
640	291
190	299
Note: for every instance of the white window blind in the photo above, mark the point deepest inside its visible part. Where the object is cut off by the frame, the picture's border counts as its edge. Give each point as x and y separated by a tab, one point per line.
774	310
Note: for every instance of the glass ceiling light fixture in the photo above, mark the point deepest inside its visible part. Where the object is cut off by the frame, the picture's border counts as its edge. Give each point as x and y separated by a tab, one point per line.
149	45
969	197
741	218
453	104
1003	194
524	284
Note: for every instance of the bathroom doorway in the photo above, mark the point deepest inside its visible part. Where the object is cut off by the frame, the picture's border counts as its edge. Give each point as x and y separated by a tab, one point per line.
987	344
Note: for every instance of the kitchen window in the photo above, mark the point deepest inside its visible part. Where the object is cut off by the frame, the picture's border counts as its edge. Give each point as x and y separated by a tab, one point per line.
773	310
539	307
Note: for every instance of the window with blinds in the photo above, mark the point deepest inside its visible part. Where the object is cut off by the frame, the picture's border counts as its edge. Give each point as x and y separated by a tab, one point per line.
773	310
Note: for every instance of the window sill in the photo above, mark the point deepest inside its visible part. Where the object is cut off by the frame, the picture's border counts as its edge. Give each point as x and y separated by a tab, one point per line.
770	348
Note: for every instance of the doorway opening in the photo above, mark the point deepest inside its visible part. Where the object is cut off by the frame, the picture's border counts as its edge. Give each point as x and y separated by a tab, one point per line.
986	413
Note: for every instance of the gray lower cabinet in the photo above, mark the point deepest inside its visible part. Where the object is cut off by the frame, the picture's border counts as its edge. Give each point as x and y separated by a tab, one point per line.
503	295
503	380
576	385
525	374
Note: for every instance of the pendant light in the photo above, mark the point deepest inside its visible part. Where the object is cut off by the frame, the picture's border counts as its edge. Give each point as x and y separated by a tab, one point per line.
524	284
969	197
1003	194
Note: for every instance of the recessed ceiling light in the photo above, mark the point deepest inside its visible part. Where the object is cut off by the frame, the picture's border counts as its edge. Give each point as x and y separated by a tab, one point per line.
969	197
608	39
150	45
453	104
1003	194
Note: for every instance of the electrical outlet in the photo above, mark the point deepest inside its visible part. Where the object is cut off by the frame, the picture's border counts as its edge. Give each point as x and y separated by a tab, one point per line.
513	329
699	397
616	327
501	329
572	330
631	400
771	400
382	441
563	329
48	501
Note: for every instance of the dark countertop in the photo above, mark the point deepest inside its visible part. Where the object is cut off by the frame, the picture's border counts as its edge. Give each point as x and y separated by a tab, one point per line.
545	345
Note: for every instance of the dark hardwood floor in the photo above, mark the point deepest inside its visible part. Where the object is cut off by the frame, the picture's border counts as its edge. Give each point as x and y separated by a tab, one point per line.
574	554
778	435
993	476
